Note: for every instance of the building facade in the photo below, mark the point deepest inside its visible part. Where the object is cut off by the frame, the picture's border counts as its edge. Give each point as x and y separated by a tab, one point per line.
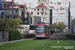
45	2
7	10
41	10
24	16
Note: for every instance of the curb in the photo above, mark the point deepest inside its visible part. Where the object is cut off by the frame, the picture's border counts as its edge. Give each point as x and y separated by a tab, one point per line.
14	41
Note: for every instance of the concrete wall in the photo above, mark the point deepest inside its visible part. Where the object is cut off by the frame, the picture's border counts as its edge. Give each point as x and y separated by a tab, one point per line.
32	10
1	38
4	37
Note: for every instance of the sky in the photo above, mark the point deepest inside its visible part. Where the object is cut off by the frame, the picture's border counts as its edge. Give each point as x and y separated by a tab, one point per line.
34	3
64	3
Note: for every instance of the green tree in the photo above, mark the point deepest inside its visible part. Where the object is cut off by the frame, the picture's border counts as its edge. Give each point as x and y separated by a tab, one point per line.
13	23
9	23
74	21
61	26
53	26
3	24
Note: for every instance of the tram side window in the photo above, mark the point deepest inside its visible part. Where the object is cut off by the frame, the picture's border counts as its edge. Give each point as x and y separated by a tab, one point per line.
46	29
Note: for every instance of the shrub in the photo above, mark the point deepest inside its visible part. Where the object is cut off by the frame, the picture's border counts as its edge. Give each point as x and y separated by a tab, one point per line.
13	34
28	35
16	35
70	36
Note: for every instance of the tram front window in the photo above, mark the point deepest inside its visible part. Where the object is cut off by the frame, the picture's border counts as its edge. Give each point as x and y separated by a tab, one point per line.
40	29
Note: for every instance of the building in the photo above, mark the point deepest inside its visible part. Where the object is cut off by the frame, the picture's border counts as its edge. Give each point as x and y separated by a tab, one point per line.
41	10
35	19
24	16
7	10
0	5
45	2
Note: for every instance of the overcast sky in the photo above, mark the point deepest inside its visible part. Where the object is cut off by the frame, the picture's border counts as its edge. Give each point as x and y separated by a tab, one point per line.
64	3
34	3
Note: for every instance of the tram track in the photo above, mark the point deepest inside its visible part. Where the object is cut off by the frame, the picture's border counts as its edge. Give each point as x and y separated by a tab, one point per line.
28	45
41	45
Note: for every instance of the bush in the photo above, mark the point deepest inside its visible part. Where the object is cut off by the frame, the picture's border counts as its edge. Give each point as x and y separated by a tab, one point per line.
70	36
28	35
13	34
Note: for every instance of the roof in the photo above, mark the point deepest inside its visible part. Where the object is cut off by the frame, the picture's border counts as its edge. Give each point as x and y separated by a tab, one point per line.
28	12
31	8
16	7
41	6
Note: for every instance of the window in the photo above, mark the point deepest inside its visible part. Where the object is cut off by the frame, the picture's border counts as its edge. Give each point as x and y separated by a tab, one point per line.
39	0
31	12
4	5
25	21
42	13
31	20
8	6
42	9
38	9
37	13
22	21
45	13
22	9
43	0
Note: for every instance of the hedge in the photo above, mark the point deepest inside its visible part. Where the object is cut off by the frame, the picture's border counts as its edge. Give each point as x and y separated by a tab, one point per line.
13	34
70	36
28	35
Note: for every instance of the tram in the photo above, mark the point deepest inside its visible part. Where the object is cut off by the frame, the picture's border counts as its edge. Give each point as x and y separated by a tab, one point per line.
42	30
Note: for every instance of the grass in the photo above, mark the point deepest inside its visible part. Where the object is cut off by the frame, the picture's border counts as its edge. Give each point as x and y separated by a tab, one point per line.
37	45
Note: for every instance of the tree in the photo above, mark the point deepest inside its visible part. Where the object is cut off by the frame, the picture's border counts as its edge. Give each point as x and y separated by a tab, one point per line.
53	26
9	23
74	21
61	26
14	23
3	24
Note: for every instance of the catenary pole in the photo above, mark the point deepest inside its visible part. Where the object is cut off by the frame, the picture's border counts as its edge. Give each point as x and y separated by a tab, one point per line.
69	18
12	9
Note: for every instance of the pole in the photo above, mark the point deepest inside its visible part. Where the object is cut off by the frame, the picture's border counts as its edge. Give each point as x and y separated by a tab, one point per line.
12	9
29	21
69	18
43	19
3	13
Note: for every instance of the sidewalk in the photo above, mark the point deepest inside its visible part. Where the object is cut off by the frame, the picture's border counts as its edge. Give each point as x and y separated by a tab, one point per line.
14	41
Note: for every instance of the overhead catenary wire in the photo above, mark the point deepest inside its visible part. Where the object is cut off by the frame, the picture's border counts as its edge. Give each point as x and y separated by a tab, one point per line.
28	3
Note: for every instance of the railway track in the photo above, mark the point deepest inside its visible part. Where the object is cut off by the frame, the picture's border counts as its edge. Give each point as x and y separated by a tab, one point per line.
58	36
